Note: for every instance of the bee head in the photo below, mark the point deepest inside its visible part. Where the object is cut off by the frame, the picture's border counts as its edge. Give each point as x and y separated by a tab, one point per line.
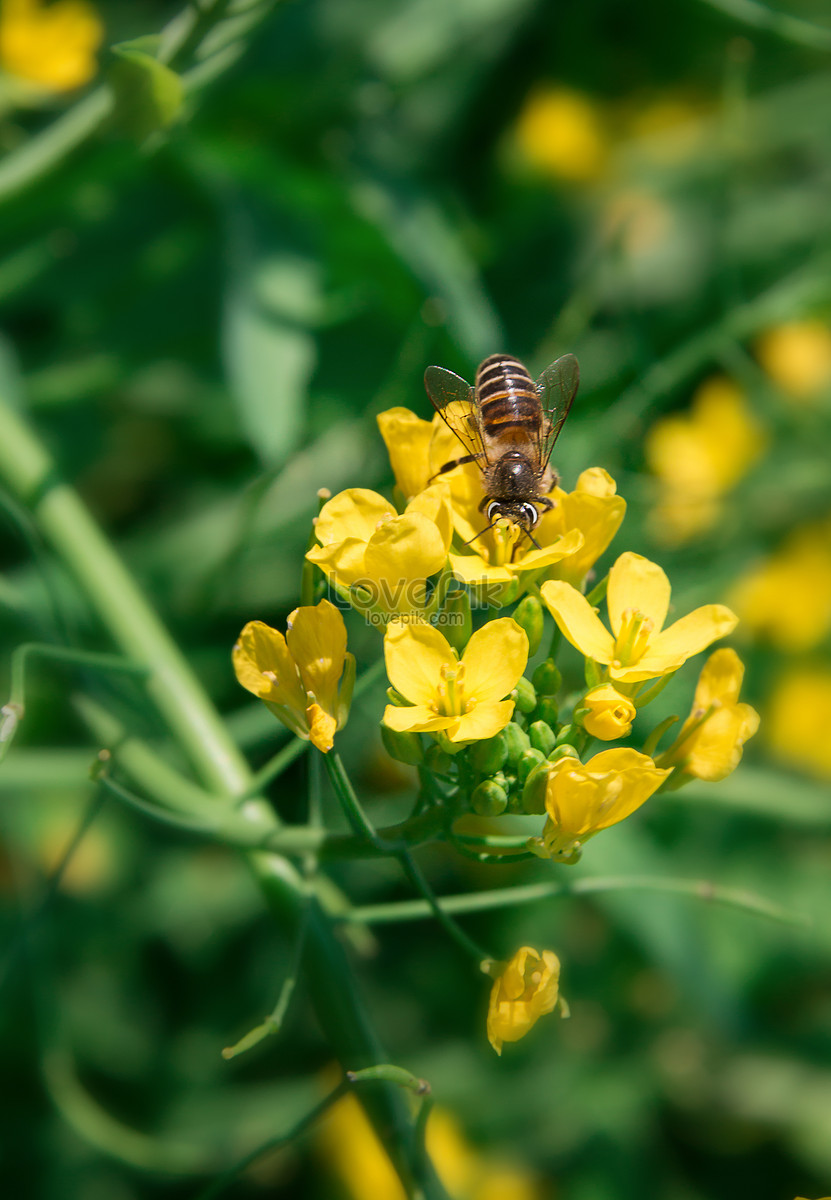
521	512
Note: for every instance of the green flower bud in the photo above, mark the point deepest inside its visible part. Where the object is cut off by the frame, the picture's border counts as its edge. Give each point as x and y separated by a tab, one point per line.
516	740
533	794
547	678
489	799
455	621
567	734
524	695
547	710
564	751
403	747
436	760
542	737
528	760
528	614
489	755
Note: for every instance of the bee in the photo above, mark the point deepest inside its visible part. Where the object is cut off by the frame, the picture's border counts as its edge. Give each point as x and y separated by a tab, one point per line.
508	425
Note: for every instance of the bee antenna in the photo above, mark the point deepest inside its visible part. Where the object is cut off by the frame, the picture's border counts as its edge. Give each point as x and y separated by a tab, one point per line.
531	538
481	533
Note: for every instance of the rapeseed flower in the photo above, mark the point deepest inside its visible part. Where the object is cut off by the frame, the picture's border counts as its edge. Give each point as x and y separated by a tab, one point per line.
581	799
709	744
605	713
525	989
700	456
638	647
560	133
376	559
463	698
306	677
797	357
798	718
787	598
52	46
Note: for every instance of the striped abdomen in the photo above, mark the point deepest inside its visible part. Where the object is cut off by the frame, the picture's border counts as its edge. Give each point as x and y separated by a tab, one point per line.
508	402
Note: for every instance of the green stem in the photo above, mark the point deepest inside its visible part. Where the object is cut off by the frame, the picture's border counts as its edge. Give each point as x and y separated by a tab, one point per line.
703	889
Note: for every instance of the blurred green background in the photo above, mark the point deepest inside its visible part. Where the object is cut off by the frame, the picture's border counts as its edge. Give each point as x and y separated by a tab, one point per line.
202	322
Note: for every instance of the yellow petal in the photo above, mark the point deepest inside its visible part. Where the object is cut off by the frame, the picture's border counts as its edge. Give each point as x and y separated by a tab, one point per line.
598	518
415	718
583	798
474	571
494	659
596	482
400	556
322	727
637	583
691	634
415	654
483	721
720	680
264	666
355	513
433	504
715	749
341	562
407	438
559	549
578	620
316	640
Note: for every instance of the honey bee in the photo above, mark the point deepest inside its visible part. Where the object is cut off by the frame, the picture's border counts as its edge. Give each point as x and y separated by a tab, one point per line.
508	425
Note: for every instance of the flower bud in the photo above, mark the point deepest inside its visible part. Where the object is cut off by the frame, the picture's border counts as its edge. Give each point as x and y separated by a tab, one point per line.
489	799
534	791
529	614
490	755
547	710
566	750
524	695
567	734
404	747
606	713
547	678
527	761
542	737
517	741
455	621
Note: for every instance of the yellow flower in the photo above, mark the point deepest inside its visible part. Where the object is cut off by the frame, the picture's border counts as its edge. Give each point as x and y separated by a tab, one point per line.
306	677
525	989
376	559
797	357
710	747
407	438
638	601
787	598
798	719
608	714
595	510
464	698
700	456
560	133
52	46
583	798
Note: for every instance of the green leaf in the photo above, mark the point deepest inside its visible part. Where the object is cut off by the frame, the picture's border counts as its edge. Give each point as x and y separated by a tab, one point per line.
148	95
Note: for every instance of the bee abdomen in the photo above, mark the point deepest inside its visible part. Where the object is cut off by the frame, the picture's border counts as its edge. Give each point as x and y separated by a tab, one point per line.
506	395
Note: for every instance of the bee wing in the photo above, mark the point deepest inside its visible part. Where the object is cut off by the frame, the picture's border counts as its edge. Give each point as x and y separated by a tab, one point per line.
452	399
557	387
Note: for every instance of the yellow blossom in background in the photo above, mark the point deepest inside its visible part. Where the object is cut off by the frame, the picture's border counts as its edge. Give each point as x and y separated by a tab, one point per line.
524	990
709	747
377	559
798	719
700	456
351	1149
638	647
581	799
463	698
560	132
668	130
306	677
797	357
787	598
608	715
50	45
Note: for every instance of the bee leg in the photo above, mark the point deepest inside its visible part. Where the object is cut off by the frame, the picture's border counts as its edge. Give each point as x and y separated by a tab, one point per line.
456	462
546	502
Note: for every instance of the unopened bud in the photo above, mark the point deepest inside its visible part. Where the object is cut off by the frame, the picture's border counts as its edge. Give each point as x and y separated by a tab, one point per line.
534	791
403	746
455	621
489	755
528	614
528	760
542	737
547	678
524	695
516	740
436	760
489	799
566	750
547	710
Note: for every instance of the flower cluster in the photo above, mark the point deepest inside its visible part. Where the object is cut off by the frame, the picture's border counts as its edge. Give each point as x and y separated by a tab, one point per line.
463	611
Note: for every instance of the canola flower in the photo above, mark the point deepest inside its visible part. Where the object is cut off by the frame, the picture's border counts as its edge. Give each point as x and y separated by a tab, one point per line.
798	718
797	357
462	611
51	46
